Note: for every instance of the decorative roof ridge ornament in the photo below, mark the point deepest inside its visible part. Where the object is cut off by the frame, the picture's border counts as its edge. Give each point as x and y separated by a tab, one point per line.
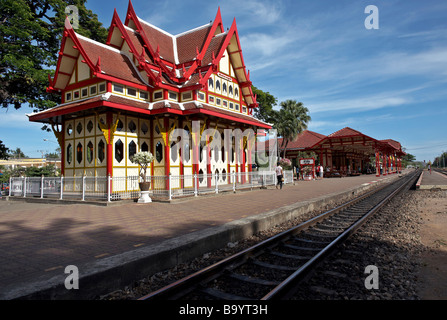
198	104
106	96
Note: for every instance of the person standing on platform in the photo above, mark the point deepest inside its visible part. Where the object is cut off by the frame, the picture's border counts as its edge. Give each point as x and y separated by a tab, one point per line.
429	168
321	171
279	175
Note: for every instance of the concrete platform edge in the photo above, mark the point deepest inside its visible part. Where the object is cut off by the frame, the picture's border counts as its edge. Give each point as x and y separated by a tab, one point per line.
112	273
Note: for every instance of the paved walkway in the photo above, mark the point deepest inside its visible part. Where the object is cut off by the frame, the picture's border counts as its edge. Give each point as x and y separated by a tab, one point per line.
433	180
39	240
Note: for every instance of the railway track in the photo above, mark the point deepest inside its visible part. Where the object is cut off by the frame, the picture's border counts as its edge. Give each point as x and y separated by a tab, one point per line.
272	268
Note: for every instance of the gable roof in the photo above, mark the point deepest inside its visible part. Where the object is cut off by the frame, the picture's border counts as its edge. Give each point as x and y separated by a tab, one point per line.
168	61
305	139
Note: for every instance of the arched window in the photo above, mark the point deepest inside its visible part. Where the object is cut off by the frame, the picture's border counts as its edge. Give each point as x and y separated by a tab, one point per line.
224	87
217	85
236	92
201	176
132	126
144	128
79	153
79	128
120	125
216	153
90	126
69	130
159	151
144	147
187	145
101	151
119	150
132	149
210	83
69	153
230	89
201	153
90	152
174	151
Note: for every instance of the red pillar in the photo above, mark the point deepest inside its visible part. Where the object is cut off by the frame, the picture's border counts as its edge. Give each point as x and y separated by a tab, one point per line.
208	157
181	155
195	136
394	165
377	164
109	149
151	146
167	150
243	162
63	149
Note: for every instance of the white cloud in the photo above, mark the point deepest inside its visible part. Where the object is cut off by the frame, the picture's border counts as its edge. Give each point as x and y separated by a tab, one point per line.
368	102
255	13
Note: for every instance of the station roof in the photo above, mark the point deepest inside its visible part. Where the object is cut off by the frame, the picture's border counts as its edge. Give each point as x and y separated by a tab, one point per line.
305	139
345	140
110	100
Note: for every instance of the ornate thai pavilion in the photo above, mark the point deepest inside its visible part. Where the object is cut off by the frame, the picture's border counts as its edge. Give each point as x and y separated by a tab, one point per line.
130	93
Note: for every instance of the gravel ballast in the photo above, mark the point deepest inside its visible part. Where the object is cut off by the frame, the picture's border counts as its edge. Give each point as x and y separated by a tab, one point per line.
390	241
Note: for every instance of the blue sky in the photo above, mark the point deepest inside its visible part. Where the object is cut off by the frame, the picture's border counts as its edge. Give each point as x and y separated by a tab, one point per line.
389	83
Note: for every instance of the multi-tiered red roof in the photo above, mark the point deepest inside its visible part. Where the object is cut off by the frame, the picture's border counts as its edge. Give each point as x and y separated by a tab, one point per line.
145	57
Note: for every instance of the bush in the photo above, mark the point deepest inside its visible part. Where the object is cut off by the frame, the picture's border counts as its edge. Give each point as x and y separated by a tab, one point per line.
285	163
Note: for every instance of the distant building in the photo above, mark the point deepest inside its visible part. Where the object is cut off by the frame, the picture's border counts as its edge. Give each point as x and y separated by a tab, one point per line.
347	151
30	162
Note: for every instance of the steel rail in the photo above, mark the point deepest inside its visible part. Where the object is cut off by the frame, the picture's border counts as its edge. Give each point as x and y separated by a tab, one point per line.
285	288
189	283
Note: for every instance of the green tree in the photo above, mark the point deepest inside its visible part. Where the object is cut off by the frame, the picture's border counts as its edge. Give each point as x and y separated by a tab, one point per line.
30	34
4	155
266	102
47	171
17	154
290	121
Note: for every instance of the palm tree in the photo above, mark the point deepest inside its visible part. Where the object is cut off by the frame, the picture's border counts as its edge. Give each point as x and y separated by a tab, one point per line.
291	120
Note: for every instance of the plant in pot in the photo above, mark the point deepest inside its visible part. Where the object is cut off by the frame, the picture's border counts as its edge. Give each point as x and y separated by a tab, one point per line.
144	159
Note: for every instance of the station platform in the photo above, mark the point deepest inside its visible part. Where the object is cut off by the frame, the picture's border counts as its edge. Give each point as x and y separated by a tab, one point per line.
433	180
116	245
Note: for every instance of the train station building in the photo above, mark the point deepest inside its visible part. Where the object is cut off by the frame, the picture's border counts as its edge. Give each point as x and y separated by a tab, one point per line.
346	152
129	95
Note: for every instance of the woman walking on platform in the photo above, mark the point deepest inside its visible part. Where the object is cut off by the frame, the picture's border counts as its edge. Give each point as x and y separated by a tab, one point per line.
279	175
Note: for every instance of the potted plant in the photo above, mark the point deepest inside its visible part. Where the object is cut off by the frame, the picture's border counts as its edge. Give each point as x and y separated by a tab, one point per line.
307	173
144	159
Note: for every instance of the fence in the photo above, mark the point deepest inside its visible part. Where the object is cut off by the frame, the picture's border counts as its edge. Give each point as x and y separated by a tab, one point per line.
118	188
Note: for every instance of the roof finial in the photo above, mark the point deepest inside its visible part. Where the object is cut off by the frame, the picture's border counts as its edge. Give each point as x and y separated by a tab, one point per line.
98	64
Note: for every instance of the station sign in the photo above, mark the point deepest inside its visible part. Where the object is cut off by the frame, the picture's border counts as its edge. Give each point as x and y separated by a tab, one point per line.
307	161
